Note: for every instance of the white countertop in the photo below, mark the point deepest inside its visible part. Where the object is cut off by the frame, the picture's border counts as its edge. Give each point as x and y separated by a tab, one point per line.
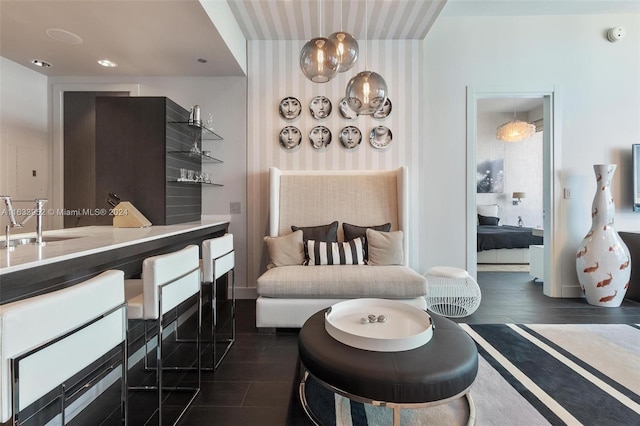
89	240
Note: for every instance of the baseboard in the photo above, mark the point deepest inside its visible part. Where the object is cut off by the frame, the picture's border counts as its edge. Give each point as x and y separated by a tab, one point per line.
572	291
246	293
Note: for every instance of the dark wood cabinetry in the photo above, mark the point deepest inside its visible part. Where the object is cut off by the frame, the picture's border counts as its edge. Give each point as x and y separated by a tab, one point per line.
79	155
134	147
141	143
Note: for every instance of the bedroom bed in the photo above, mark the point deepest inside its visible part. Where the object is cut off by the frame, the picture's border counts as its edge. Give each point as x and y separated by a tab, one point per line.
502	243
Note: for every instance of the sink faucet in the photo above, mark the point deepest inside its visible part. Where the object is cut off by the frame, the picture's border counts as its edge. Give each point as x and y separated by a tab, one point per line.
38	212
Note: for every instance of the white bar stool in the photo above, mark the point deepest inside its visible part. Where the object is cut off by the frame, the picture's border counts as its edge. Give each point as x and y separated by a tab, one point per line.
47	340
218	258
167	281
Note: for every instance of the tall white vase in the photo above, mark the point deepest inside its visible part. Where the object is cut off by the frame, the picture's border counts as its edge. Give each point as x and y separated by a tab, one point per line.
603	262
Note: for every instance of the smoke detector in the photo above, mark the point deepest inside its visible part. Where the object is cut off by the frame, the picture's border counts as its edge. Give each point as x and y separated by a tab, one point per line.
616	33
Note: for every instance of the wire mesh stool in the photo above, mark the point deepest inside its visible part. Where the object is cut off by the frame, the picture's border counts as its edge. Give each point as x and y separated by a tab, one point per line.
452	292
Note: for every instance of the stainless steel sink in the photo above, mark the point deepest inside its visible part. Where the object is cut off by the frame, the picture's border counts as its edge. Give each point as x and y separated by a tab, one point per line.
15	242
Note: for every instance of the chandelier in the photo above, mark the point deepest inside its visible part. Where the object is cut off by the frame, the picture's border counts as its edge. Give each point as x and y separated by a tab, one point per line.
367	91
515	130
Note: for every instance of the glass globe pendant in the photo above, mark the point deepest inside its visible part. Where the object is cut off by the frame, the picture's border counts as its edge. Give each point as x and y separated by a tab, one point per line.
366	92
318	60
346	47
346	50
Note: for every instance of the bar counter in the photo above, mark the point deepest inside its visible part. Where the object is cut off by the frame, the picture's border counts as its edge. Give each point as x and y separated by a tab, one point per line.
81	253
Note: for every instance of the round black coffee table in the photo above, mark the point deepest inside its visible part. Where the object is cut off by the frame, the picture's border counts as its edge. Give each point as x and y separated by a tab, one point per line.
438	372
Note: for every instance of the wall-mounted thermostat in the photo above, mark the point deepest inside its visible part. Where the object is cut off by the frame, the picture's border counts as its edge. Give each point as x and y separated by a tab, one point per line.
616	33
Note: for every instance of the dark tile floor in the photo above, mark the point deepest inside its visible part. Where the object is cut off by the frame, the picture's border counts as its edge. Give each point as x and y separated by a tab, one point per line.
255	383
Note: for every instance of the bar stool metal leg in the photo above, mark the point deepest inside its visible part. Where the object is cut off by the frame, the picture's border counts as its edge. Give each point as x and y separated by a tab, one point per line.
177	275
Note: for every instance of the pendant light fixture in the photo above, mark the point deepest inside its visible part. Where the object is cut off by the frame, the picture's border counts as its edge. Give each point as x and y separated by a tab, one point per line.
347	48
515	130
367	91
318	60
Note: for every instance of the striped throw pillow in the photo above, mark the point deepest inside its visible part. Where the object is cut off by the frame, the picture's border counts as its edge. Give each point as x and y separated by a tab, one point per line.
332	253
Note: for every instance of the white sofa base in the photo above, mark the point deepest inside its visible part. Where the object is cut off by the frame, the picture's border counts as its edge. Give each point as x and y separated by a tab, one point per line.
274	312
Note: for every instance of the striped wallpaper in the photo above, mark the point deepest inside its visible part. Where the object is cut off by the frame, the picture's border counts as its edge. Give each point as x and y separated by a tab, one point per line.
274	73
304	19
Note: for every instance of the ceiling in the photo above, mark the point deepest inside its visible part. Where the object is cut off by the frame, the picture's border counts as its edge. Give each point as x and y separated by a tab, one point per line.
167	37
305	19
144	37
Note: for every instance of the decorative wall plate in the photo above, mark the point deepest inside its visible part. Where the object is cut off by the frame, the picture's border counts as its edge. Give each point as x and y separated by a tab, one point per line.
290	108
350	137
345	111
380	137
320	137
320	107
290	137
385	111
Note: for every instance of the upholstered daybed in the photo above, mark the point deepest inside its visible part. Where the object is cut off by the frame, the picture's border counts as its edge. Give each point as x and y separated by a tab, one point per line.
298	284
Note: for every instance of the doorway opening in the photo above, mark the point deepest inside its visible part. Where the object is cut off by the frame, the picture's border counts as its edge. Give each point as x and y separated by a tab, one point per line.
514	181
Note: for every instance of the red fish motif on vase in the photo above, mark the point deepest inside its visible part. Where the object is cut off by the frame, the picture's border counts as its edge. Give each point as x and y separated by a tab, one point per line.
582	252
602	258
606	281
609	298
591	269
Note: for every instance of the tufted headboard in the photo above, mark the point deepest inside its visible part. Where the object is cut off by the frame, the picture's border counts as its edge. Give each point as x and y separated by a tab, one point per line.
358	197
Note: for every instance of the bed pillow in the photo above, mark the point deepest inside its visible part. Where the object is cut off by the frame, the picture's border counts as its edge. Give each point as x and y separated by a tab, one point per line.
488	220
334	253
319	233
385	248
285	250
490	210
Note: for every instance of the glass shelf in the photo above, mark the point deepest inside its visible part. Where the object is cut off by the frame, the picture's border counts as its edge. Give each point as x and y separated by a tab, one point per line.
191	182
207	133
204	157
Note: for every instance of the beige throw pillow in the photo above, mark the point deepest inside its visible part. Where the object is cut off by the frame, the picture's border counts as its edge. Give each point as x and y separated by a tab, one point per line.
285	250
385	248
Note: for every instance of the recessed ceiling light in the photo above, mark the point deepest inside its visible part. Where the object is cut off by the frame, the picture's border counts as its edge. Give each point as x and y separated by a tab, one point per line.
64	36
39	63
107	63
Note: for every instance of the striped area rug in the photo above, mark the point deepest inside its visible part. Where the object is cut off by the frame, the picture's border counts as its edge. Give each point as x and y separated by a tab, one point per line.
528	375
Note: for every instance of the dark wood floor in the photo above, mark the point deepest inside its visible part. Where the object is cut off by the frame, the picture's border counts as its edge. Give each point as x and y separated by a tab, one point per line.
254	384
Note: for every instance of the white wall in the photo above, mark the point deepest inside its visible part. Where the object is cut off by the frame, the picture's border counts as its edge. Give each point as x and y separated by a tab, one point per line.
24	137
274	73
600	92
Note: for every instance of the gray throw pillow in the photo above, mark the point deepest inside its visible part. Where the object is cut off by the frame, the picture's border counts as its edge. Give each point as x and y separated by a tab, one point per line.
328	233
351	232
385	248
285	250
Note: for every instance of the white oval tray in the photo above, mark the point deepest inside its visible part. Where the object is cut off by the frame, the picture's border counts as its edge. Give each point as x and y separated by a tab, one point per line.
407	327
